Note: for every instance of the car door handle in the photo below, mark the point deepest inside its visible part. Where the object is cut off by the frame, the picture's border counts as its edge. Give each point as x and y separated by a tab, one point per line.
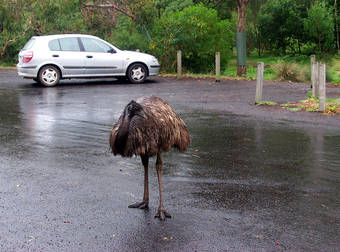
55	55
89	56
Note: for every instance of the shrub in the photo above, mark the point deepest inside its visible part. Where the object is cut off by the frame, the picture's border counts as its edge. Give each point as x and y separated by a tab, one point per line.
289	71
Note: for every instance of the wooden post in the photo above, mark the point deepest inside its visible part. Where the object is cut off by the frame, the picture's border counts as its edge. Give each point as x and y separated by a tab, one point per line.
312	60
322	88
315	79
179	64
218	66
259	82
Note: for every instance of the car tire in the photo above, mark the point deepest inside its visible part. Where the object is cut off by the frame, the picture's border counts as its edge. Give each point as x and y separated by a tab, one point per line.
49	76
137	73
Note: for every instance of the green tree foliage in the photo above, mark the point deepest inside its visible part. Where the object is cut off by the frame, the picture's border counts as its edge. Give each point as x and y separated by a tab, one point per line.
198	32
13	27
281	26
129	36
166	6
55	16
22	19
198	27
319	25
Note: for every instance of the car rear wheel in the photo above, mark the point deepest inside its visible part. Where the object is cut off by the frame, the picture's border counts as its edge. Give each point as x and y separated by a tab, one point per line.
137	73
49	76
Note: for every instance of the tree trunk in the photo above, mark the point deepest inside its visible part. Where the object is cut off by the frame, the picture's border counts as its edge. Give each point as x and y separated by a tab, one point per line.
241	11
241	43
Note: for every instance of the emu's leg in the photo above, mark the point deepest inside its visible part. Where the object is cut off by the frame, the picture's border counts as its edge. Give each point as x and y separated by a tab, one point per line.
161	213
145	203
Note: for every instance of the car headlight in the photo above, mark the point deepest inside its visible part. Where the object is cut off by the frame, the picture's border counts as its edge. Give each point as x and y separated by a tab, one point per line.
154	61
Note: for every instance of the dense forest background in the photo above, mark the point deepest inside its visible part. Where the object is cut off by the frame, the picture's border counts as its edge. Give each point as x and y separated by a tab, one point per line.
161	27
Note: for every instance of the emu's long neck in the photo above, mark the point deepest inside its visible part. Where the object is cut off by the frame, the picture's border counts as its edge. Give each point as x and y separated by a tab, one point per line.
122	135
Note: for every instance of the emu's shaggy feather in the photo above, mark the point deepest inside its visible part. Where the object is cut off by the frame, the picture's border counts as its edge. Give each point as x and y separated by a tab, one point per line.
161	130
147	128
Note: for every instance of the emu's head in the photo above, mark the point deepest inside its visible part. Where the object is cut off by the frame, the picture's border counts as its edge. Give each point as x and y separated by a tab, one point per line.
134	109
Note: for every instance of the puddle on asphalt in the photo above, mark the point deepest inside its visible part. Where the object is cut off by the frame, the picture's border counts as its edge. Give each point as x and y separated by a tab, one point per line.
232	147
237	163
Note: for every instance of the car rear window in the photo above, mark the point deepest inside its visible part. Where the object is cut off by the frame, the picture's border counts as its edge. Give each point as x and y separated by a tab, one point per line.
29	44
54	45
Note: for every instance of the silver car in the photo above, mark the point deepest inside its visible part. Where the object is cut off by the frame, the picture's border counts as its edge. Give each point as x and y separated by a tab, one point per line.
47	59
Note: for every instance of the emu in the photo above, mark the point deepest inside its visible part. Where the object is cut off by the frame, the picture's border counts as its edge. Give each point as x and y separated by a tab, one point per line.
147	127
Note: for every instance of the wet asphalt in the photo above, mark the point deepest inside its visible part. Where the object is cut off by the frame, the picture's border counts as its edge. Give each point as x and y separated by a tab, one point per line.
253	179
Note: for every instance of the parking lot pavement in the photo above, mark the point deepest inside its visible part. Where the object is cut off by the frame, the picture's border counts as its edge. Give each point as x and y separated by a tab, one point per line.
253	179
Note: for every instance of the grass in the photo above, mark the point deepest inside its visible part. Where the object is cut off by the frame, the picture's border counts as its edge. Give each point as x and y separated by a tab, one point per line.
6	65
271	71
312	105
334	70
230	72
277	67
266	103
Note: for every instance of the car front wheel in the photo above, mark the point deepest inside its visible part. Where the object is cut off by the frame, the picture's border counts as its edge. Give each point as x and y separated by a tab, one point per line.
49	76
137	73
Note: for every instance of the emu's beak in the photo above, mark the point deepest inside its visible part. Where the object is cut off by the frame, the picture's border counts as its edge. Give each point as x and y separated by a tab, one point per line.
142	114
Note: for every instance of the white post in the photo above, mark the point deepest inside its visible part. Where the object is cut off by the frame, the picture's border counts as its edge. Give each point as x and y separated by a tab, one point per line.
312	60
259	82
218	66
179	64
322	88
315	79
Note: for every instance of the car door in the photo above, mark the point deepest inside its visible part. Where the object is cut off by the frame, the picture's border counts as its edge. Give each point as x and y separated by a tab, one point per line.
101	58
67	53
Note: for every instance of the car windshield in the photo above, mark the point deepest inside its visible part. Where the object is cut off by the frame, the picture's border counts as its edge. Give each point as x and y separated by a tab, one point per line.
29	44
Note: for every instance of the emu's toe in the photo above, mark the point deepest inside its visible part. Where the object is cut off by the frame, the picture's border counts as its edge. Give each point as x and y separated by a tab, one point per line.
140	205
162	214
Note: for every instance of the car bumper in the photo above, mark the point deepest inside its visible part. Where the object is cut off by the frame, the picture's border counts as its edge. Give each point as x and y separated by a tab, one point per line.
154	69
27	71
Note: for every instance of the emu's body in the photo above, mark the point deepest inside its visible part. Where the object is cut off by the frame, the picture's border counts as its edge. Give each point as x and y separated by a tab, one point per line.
147	128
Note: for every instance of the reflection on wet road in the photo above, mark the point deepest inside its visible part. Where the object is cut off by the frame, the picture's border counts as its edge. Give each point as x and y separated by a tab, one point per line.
243	184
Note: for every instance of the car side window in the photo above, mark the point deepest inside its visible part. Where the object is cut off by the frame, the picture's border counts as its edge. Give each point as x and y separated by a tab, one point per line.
69	44
95	45
54	45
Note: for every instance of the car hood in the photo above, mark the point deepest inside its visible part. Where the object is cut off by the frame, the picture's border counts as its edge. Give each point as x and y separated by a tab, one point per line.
137	54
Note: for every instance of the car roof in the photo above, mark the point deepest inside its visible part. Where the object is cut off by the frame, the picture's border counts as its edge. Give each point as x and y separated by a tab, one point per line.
55	36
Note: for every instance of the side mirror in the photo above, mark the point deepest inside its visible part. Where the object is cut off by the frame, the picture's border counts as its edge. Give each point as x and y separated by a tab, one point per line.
112	51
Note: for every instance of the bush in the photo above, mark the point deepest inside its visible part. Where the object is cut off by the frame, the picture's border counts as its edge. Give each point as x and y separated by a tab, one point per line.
289	72
198	32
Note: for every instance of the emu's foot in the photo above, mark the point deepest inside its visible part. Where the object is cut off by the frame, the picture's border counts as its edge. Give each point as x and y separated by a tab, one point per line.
162	214
140	205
